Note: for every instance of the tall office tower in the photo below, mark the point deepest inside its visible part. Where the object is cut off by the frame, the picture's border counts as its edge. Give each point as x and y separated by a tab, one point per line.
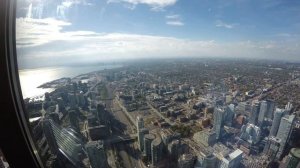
49	134
141	133
72	100
186	161
174	149
233	160
148	138
254	113
267	145
63	142
81	99
250	133
293	159
222	116
262	112
243	107
266	111
74	120
218	121
210	161
284	132
276	121
96	153
270	109
101	113
274	144
229	115
156	150
140	122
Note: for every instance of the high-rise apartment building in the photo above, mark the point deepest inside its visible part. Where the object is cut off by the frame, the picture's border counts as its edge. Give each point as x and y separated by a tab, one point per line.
254	113
293	159
156	150
276	121
49	134
284	132
141	133
148	138
96	154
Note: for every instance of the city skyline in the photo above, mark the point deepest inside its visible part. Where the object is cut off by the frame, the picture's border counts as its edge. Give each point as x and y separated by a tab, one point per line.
185	114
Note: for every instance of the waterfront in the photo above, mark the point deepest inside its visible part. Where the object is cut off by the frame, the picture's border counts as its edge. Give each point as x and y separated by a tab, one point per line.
30	79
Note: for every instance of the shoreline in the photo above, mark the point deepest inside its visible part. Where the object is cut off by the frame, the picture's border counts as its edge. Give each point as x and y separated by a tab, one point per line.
51	85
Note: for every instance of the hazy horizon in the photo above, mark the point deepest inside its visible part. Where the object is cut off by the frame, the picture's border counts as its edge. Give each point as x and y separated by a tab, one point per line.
53	33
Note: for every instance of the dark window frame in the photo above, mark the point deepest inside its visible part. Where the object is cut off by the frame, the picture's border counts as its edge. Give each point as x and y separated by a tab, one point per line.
15	136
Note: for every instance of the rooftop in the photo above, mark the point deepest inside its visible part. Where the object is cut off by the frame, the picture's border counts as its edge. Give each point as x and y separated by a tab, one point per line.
295	152
235	154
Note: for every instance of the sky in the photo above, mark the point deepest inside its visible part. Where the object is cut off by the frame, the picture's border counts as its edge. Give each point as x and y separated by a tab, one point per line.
59	32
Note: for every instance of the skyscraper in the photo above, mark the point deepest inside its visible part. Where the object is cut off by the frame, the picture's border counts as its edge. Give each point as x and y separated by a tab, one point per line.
49	134
250	133
63	141
72	100
186	161
293	159
270	109
101	113
229	115
222	116
140	122
262	112
173	149
276	121
156	150
96	154
218	121
74	120
254	113
272	147
141	133
284	132
209	161
147	145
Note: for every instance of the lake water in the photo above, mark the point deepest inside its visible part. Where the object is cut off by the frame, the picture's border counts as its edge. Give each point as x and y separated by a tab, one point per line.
30	79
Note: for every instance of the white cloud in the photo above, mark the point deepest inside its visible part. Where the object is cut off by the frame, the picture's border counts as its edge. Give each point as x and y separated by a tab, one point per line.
156	5
173	17
174	20
283	35
45	39
220	23
175	23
